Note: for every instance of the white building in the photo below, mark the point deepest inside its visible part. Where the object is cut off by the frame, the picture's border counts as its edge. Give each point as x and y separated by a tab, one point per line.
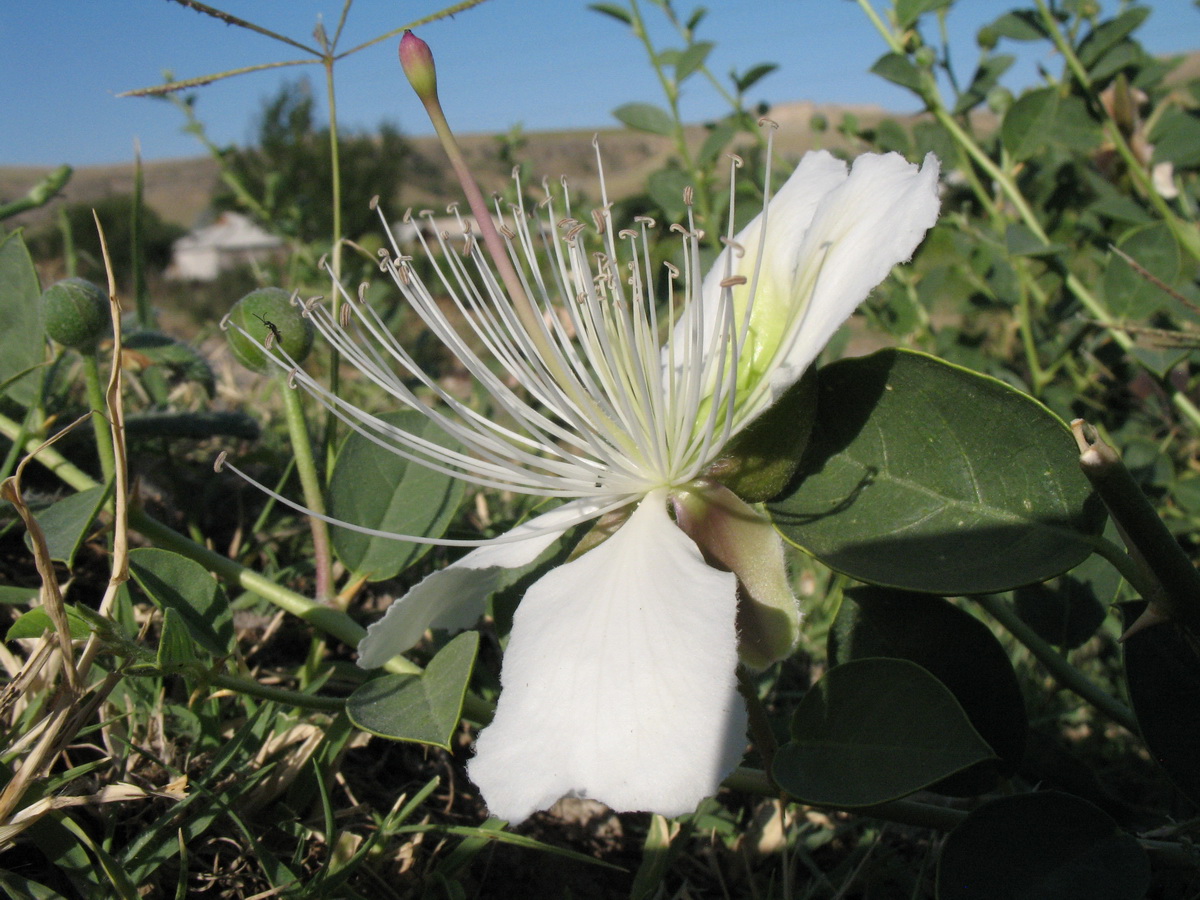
232	240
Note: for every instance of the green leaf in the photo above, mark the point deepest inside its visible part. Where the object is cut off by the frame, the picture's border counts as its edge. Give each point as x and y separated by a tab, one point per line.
908	11
666	187
23	338
1074	127
1105	36
175	582
375	487
929	477
36	622
611	9
692	59
874	730
17	887
645	117
958	650
68	521
178	358
12	595
1131	296
1041	845
987	75
752	76
1019	240
1162	669
898	69
718	139
1019	25
1176	138
1065	614
1026	126
422	708
176	647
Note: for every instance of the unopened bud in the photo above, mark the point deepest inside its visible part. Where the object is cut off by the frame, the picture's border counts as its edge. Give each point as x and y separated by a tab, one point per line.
417	62
76	313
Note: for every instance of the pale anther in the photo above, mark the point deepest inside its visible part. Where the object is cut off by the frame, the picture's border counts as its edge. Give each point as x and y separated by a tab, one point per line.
219	462
628	233
738	250
407	217
224	323
672	269
689	194
344	315
452	207
769	123
291	382
645	220
507	232
599	219
738	162
374	203
733	281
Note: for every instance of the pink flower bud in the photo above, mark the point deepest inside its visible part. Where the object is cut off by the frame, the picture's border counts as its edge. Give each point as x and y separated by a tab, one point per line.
417	62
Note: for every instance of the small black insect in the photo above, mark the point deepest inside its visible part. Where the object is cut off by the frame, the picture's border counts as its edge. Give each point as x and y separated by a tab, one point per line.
274	335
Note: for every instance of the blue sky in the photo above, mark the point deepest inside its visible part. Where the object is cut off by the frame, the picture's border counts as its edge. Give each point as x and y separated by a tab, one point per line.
542	63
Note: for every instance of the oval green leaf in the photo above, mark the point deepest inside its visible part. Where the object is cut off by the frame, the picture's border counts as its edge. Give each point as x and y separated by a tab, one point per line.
958	650
1041	845
36	622
645	117
68	522
928	477
874	730
23	338
175	582
1162	670
375	487
423	708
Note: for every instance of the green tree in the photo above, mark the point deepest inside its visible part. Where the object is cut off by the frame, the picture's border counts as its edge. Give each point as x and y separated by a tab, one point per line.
288	169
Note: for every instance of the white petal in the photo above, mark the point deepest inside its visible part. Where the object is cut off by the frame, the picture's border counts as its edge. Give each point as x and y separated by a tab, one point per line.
861	229
455	597
619	680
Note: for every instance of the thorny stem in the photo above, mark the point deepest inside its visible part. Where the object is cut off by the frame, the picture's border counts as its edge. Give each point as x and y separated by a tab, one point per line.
310	483
1058	666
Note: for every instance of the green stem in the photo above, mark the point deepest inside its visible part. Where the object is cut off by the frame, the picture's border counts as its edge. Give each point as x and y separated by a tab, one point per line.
331	420
1127	566
310	483
255	688
100	426
671	91
1063	672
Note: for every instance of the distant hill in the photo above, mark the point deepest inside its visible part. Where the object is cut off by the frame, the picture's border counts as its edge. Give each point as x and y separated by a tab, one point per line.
180	190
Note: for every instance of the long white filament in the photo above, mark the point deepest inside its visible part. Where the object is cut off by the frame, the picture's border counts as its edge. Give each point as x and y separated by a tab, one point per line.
615	412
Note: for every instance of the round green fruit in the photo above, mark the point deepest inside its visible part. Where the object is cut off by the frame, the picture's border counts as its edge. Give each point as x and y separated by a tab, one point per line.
76	313
269	316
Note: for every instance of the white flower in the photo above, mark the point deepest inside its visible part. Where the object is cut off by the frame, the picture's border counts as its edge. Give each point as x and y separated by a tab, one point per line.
619	679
